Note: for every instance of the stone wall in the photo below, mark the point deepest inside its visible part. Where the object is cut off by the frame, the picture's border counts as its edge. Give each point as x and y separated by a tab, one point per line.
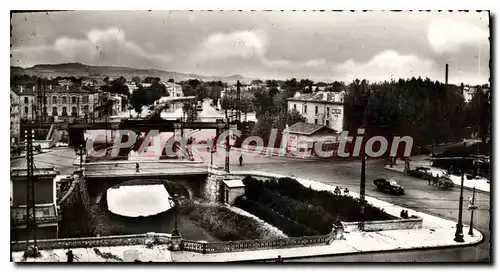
398	224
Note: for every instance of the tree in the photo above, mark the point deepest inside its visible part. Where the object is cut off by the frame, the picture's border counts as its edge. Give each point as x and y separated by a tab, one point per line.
171	80
138	99
105	106
137	80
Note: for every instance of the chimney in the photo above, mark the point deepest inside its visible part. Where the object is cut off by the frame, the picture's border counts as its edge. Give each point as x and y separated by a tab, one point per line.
446	76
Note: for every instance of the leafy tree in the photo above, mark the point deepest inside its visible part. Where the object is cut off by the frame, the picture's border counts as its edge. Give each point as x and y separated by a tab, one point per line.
138	99
137	80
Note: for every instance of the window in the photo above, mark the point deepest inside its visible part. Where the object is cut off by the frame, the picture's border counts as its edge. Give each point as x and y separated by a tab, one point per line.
85	99
54	99
328	111
26	110
316	109
64	100
86	109
73	100
73	111
54	111
64	110
295	106
328	123
26	100
305	108
316	121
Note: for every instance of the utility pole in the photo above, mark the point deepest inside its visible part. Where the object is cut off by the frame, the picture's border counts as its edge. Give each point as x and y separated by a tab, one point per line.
472	207
238	101
362	191
446	76
30	195
226	164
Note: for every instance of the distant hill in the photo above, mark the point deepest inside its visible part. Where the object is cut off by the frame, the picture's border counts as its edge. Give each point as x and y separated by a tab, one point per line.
80	70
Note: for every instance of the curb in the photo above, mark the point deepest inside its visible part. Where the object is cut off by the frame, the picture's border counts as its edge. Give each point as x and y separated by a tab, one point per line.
370	252
458	185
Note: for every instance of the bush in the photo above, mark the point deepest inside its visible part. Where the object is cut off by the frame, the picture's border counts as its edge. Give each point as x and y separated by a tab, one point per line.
289	227
225	224
287	199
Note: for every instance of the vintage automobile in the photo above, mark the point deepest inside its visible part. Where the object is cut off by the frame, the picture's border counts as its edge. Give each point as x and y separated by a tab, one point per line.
443	181
389	186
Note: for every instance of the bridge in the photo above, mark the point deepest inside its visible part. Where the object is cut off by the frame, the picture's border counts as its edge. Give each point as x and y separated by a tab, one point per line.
124	170
101	176
76	131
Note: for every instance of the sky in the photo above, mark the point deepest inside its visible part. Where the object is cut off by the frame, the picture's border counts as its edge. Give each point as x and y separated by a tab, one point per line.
321	46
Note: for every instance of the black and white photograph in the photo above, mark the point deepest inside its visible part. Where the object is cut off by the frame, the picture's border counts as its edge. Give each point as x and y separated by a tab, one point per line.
276	136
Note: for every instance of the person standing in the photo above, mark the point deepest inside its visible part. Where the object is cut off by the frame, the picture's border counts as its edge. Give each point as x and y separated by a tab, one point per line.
70	256
137	167
241	160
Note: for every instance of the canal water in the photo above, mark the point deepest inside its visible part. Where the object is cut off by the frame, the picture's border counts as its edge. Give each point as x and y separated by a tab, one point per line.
132	209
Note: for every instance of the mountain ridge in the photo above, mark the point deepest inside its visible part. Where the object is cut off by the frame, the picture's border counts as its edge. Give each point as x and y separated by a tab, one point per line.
78	69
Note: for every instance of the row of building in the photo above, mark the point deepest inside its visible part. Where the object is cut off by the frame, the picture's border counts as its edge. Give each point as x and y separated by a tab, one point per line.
56	104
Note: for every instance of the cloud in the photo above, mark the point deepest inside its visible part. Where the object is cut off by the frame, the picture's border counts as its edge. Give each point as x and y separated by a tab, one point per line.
100	46
386	65
445	35
244	44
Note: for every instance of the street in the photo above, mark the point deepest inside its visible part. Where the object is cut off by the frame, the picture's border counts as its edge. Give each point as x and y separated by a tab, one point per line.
346	173
419	196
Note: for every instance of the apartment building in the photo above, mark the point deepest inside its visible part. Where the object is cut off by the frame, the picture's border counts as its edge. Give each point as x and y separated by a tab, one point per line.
321	108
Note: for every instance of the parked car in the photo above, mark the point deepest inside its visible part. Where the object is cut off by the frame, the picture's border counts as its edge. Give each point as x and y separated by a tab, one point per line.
389	186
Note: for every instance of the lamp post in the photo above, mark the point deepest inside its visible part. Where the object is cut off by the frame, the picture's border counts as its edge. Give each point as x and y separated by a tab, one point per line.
472	207
80	152
174	202
459	236
211	150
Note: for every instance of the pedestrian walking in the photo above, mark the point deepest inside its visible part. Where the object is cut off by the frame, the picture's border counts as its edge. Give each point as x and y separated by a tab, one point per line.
241	160
137	167
429	178
279	260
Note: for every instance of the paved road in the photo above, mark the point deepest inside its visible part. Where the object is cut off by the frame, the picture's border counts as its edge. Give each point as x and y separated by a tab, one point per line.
60	158
419	196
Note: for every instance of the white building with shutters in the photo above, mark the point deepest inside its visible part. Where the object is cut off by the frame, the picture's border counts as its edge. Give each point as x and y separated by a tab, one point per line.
322	108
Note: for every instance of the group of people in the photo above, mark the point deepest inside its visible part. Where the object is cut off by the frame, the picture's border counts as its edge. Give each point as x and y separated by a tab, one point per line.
404	214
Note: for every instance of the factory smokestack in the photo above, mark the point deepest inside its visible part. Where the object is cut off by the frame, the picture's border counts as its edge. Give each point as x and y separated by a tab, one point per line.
446	76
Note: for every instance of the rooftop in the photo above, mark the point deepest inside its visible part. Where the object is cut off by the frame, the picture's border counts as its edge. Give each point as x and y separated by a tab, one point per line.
332	97
233	183
22	172
306	128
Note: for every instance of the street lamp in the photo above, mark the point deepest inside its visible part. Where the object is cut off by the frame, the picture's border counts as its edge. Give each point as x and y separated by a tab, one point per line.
80	152
459	236
211	150
174	202
472	207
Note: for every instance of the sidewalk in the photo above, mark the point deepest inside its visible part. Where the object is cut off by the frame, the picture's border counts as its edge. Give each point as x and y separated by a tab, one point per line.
480	184
436	232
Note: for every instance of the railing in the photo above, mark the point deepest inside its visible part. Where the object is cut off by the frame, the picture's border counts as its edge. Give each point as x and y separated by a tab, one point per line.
234	246
87	242
187	245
